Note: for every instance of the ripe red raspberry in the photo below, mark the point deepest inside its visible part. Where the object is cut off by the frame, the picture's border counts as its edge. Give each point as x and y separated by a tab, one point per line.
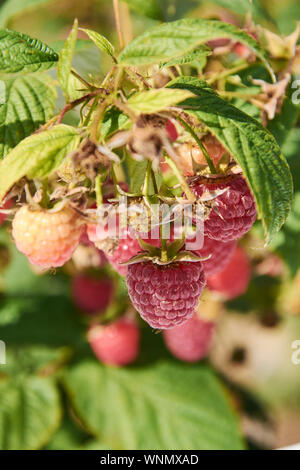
48	239
165	295
233	280
191	341
220	254
91	294
235	209
171	130
115	344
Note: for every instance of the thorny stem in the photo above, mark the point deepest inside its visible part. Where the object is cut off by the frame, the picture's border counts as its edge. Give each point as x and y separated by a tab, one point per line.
126	21
90	112
183	183
108	76
97	121
145	190
125	109
82	80
154	181
118	23
205	153
115	180
75	103
118	79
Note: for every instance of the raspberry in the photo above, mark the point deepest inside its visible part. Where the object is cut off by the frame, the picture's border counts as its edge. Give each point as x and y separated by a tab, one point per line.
115	344
7	205
165	295
126	248
48	239
233	280
191	341
242	51
171	130
220	252
90	294
235	209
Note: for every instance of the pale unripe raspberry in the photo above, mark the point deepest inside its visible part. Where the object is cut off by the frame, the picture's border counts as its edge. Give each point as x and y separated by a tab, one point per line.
165	296
190	152
234	279
90	294
48	239
115	344
234	212
191	341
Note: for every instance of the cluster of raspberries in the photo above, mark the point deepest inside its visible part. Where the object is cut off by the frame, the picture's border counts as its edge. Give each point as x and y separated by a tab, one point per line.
166	295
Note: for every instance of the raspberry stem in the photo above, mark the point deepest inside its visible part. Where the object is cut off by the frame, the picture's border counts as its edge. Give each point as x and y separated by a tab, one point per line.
164	249
185	187
98	190
118	23
204	151
145	190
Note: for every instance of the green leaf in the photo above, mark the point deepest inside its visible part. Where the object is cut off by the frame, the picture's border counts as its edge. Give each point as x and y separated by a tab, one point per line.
12	8
113	121
136	171
34	359
37	156
29	412
19	52
150	8
155	100
174	39
100	41
286	242
69	437
165	405
251	145
65	60
29	101
188	58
